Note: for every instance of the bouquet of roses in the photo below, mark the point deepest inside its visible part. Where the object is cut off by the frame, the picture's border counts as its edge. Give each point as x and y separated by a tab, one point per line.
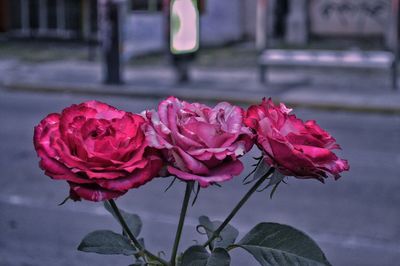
103	152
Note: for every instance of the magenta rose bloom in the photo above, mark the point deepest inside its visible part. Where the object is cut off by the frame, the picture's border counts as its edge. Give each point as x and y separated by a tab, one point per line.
198	142
295	148
99	150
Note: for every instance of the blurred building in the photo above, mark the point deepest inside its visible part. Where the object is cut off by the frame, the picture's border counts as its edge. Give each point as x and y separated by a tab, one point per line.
223	21
295	21
77	19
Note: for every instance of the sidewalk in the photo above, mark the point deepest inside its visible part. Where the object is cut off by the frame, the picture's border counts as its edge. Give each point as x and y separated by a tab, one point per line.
361	91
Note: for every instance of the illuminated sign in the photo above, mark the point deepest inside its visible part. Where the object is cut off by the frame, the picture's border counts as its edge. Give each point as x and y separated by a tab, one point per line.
184	26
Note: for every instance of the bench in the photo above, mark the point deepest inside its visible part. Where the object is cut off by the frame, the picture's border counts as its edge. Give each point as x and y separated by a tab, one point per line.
326	59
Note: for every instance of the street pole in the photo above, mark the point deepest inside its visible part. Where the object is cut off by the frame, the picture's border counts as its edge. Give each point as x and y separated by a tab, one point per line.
111	14
261	25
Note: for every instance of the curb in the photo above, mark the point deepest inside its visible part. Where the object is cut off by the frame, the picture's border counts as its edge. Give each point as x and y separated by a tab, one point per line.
193	95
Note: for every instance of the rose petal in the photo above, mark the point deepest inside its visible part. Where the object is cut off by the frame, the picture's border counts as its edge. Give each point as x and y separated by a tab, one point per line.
222	173
297	148
101	151
93	192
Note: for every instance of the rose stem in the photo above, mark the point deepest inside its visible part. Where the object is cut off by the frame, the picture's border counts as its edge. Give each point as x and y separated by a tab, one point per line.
185	204
238	206
132	237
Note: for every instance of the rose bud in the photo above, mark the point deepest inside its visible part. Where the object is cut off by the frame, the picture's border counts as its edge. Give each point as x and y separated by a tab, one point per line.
295	148
198	142
99	150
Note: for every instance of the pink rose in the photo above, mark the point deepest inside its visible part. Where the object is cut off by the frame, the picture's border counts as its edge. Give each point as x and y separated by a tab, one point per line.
295	148
99	150
199	143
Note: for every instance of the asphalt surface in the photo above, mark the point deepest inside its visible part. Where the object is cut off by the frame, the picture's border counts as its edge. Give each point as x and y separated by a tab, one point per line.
334	89
356	220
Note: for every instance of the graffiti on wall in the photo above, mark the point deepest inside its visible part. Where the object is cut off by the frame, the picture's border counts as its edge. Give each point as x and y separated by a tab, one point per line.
359	17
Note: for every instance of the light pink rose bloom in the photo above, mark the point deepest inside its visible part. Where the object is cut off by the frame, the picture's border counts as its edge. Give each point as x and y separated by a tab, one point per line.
198	142
295	148
99	150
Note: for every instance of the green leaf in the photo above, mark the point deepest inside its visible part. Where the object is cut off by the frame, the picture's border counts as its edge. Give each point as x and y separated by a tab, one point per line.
132	220
199	256
106	242
195	256
219	257
274	244
64	201
227	236
138	263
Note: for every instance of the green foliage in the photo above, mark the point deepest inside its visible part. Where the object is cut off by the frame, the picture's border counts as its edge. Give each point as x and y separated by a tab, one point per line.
274	244
227	236
132	220
138	263
271	244
199	256
106	242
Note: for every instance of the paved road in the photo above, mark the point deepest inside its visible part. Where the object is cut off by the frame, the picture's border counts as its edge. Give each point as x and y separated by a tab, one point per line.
356	220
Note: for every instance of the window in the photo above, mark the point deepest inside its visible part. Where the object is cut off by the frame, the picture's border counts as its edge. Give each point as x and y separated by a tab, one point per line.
146	5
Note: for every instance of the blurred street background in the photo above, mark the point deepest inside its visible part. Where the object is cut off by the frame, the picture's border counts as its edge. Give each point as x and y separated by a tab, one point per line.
334	61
